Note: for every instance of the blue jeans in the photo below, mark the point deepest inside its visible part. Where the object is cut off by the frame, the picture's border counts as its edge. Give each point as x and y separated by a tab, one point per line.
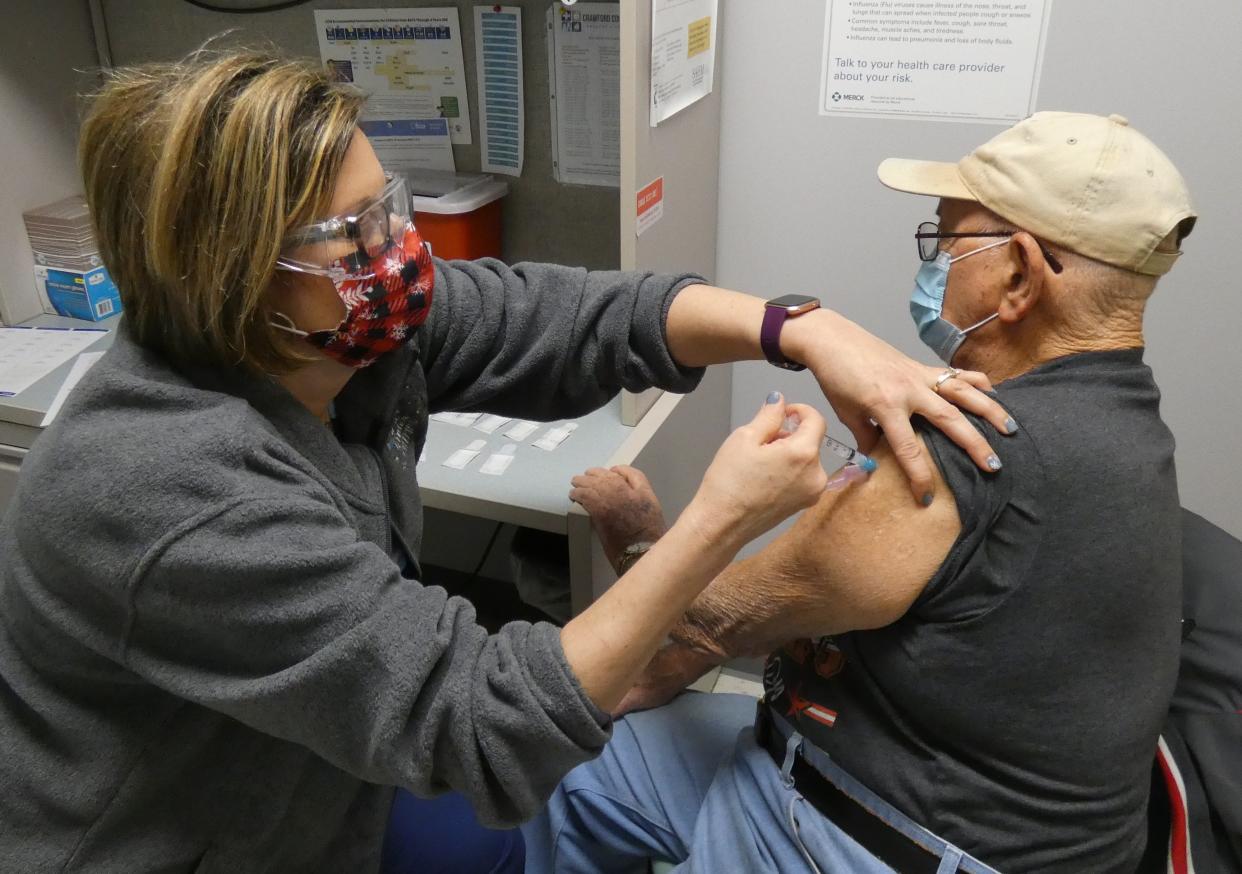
442	836
687	783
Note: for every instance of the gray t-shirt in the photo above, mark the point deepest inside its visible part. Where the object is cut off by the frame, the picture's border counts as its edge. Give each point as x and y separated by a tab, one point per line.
1015	709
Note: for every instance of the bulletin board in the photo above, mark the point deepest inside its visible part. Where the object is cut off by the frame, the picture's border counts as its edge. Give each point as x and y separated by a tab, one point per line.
543	219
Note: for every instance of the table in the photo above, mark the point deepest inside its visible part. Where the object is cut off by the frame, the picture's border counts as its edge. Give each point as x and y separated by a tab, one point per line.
21	415
534	491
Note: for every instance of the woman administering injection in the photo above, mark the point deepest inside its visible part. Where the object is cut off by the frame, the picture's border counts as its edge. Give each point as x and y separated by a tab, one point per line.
235	659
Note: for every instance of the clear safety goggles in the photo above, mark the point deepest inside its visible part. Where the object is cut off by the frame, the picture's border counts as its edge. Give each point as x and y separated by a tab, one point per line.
347	245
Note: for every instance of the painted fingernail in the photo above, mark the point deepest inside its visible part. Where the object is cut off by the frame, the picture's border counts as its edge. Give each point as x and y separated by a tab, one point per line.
774	397
1011	425
994	463
927	499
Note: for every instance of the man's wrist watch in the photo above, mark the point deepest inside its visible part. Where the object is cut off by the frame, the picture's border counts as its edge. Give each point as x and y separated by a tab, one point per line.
776	312
630	555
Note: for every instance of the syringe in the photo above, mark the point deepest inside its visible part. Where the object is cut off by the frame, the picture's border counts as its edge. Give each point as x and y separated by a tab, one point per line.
857	465
851	456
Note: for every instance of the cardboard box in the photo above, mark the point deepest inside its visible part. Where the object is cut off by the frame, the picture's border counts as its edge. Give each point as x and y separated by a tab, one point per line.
90	295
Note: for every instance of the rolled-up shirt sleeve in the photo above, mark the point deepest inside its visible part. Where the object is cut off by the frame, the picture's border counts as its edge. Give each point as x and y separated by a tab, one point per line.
546	341
273	612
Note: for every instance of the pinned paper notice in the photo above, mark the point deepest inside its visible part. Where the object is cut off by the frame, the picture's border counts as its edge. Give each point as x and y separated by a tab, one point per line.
683	54
555	436
422	143
584	85
502	111
650	206
408	61
974	60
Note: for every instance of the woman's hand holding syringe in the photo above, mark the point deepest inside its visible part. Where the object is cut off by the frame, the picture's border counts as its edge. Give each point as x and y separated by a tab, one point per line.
857	465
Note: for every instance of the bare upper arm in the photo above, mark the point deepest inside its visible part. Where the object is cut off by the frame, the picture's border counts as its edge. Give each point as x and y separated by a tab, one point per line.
863	555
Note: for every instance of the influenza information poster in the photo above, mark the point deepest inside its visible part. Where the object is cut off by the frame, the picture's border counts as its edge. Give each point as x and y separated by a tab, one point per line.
409	61
974	60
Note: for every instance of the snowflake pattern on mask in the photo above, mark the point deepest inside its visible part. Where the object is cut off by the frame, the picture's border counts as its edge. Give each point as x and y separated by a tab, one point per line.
353	294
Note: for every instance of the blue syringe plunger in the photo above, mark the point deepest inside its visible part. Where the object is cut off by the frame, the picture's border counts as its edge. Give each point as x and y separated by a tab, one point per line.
851	455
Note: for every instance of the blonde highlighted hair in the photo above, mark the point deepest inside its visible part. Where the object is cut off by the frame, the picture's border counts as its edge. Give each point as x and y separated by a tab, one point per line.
195	171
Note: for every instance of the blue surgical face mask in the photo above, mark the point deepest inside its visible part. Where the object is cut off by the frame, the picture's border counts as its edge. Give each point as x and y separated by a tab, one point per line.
927	303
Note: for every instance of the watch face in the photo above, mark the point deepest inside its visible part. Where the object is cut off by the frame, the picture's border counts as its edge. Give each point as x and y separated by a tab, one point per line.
794	303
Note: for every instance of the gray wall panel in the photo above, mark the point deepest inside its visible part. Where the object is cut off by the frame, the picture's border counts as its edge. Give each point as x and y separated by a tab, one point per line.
801	209
39	132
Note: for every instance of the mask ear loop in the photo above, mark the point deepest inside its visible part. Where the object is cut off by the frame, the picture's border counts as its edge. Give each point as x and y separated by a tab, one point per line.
984	321
981	249
288	326
980	323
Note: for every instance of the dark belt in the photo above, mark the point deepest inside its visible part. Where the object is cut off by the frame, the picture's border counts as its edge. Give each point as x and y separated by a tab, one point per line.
872	833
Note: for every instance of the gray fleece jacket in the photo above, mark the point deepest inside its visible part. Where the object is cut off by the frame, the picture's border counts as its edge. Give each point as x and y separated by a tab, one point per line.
209	660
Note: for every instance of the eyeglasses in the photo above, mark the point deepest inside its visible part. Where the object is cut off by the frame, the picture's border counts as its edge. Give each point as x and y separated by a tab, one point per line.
349	242
928	238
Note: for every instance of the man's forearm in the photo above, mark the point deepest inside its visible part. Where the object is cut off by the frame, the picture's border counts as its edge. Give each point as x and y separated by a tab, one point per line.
751	608
858	559
609	643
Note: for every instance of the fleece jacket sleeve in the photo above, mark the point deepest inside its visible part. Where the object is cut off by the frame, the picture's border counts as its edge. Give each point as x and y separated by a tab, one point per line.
272	611
543	341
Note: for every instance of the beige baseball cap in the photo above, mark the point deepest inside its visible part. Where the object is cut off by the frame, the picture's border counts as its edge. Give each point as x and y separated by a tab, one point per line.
1092	184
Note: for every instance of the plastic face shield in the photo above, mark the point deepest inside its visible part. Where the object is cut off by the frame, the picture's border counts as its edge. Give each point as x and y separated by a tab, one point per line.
346	246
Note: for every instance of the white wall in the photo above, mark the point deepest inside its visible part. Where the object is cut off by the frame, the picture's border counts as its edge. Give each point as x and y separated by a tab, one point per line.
801	210
44	47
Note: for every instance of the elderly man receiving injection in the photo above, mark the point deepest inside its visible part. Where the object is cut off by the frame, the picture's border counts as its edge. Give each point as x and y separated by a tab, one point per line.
977	686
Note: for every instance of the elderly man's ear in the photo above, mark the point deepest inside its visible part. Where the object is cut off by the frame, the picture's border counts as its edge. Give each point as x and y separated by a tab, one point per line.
1026	279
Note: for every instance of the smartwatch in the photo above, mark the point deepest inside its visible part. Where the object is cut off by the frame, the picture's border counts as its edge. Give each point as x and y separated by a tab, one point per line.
775	313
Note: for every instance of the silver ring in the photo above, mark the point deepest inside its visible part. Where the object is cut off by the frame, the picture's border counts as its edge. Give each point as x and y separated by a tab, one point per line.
945	377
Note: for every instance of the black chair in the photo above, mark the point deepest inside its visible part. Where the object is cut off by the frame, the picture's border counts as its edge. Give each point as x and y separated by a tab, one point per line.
1195	816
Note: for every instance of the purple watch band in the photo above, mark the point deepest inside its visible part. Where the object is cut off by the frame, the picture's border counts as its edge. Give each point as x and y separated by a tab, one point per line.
770	337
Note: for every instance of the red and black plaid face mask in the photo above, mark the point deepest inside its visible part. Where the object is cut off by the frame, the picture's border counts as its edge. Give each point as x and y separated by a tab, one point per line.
385	301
